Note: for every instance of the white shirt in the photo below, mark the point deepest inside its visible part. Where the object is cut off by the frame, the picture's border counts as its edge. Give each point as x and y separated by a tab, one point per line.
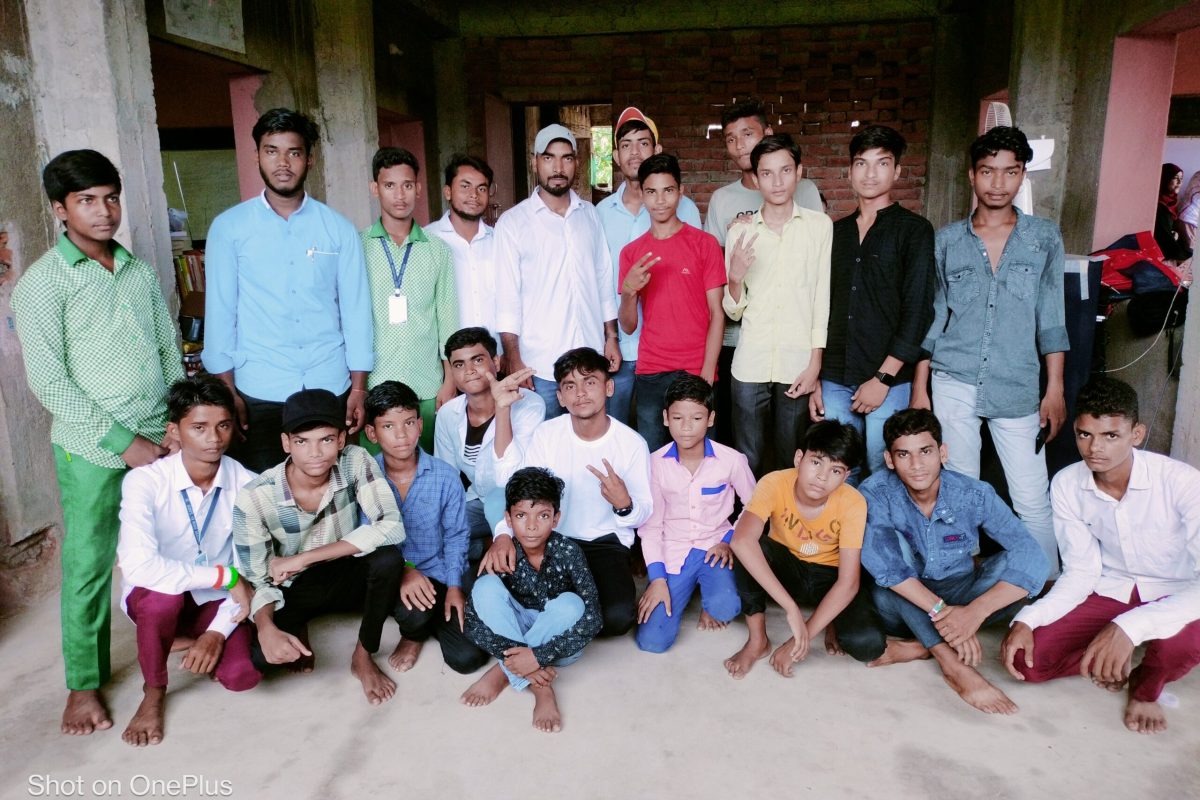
450	434
157	549
586	514
1149	539
474	272
553	280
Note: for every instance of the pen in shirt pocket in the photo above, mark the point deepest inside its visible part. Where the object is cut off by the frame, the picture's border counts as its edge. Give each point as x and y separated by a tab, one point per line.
313	251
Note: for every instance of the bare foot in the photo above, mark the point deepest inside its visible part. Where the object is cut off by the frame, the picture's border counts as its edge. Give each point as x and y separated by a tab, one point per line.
709	623
486	689
832	646
404	657
378	687
1143	717
85	712
182	643
974	688
781	659
146	727
900	651
546	717
738	664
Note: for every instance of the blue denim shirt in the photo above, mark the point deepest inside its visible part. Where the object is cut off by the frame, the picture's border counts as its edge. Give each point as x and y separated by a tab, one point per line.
989	328
903	543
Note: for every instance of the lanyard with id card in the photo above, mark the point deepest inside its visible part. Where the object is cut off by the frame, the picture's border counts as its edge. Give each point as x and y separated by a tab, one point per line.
199	531
397	302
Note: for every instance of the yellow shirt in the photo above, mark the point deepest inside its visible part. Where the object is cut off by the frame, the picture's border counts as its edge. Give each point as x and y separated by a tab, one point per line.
784	307
840	524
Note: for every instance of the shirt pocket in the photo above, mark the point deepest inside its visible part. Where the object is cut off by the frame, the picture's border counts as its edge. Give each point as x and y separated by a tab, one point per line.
1021	280
962	286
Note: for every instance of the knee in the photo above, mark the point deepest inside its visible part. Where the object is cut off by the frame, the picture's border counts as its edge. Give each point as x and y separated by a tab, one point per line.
567	607
488	589
239	676
863	645
618	618
385	562
465	659
722	605
653	638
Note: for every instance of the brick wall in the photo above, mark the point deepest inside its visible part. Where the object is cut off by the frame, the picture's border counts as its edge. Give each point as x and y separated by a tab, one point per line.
816	79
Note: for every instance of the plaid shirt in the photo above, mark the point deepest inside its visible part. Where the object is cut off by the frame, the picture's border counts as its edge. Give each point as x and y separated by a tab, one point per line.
100	349
268	522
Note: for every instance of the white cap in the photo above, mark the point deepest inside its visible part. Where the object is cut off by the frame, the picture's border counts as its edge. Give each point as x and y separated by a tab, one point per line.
549	134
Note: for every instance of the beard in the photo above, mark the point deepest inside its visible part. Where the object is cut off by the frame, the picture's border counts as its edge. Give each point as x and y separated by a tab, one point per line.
297	189
556	191
465	216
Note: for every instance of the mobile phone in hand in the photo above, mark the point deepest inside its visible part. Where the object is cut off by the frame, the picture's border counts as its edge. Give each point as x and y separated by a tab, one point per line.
1040	441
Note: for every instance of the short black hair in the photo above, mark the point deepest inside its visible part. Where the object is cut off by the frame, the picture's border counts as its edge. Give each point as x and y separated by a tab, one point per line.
1000	138
460	160
752	107
910	422
661	163
76	170
835	440
388	395
631	125
1104	397
535	484
284	120
879	137
393	157
465	337
773	144
689	387
581	359
201	390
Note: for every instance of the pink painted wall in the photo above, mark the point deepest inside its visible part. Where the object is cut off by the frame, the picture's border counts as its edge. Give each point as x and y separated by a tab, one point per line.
498	124
410	134
242	89
1187	63
1139	100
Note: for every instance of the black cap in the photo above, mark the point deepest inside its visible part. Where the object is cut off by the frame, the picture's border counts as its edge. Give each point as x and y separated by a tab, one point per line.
313	405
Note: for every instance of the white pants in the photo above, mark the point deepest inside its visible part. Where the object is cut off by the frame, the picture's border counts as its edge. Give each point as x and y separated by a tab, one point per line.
1024	470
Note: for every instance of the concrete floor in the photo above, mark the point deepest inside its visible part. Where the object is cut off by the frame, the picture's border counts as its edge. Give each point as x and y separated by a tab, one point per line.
635	726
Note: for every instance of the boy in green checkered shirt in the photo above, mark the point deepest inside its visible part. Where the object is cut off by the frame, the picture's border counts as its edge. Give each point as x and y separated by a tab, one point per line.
100	353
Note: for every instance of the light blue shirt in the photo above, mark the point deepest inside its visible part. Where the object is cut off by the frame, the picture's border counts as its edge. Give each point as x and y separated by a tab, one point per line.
621	228
287	306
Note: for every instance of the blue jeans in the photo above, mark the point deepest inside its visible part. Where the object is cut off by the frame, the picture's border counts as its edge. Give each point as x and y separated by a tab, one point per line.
618	405
548	391
902	618
499	611
718	596
836	399
651	397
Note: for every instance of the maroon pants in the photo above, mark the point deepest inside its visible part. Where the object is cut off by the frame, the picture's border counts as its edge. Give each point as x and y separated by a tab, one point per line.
1058	648
161	617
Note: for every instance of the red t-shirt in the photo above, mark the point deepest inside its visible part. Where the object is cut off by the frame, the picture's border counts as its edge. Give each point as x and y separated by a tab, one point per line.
674	307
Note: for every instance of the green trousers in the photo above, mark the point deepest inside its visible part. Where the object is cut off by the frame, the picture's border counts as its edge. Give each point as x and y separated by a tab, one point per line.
428	413
91	501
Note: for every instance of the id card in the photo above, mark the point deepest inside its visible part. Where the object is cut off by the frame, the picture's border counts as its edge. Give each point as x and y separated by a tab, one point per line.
397	309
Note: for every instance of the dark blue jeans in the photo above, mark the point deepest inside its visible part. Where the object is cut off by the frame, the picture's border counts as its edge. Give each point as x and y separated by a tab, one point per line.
651	395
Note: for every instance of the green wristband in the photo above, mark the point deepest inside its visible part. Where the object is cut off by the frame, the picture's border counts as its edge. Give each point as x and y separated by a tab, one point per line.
233	578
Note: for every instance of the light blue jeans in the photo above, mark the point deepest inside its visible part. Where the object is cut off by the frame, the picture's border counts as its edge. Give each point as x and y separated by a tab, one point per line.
548	391
836	398
619	404
498	610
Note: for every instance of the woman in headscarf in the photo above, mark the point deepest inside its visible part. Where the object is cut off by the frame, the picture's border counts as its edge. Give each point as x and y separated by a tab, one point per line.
1169	231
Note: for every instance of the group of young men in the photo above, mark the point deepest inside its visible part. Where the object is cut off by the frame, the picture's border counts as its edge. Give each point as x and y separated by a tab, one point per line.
497	495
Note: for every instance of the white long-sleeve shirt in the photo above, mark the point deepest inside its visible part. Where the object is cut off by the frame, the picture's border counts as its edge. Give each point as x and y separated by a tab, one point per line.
586	514
553	280
157	549
1149	539
450	435
474	272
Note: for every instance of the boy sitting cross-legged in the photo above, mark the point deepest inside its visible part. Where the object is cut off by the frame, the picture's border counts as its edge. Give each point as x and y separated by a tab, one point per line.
810	556
543	613
430	495
693	482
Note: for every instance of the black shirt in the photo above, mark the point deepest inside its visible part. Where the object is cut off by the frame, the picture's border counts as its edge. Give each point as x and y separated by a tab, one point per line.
880	295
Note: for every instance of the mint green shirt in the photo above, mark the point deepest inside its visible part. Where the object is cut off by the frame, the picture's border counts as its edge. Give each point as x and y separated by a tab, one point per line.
411	351
100	349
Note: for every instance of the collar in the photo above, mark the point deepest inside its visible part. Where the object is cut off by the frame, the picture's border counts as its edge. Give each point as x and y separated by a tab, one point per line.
263	196
73	255
540	205
881	212
444	225
180	479
335	484
377	231
941	507
424	463
1139	478
673	450
796	212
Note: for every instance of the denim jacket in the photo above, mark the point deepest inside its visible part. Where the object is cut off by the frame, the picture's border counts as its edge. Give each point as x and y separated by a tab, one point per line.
902	543
990	328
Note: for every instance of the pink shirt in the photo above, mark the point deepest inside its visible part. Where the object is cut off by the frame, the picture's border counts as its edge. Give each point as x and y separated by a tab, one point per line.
675	313
691	512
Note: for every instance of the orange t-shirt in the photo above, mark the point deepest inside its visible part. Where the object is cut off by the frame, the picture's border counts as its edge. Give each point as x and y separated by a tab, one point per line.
840	524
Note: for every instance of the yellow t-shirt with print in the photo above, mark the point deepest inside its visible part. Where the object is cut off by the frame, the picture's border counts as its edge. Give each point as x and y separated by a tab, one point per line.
840	524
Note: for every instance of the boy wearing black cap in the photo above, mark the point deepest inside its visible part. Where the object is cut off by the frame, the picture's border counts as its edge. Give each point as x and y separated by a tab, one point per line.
296	529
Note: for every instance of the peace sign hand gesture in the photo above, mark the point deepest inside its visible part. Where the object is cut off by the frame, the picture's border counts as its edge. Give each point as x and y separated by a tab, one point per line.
639	274
741	258
508	391
612	488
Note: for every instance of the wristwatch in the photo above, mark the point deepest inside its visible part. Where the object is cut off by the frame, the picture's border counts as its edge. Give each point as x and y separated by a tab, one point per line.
885	379
623	512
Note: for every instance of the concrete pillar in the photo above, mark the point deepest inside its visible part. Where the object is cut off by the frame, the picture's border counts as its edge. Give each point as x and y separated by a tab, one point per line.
93	89
1185	439
450	81
242	90
947	193
343	46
